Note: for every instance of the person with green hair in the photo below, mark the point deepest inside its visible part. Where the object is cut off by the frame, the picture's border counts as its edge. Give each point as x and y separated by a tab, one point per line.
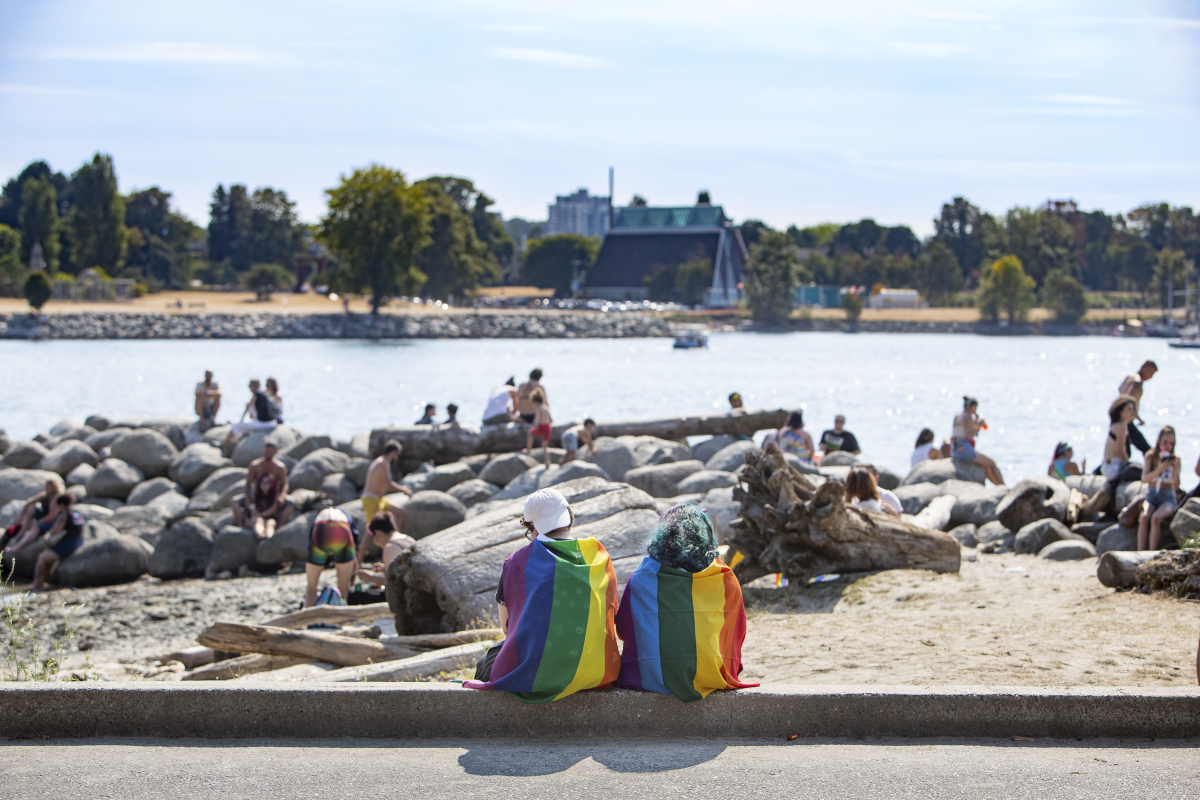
682	618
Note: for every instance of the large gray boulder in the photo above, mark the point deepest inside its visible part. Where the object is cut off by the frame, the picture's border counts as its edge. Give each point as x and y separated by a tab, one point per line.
441	478
98	422
430	511
730	458
977	505
1086	485
79	434
146	449
449	581
965	534
4	442
174	428
703	451
705	480
1130	492
840	459
195	463
24	455
662	480
914	497
1033	537
1186	522
114	478
209	492
145	522
996	537
251	447
543	477
103	439
105	562
1116	537
183	551
338	488
87	511
650	450
473	491
945	469
1041	497
111	503
233	548
1074	550
22	484
68	455
65	425
146	491
356	471
723	510
613	455
80	476
502	469
173	504
307	445
9	513
313	468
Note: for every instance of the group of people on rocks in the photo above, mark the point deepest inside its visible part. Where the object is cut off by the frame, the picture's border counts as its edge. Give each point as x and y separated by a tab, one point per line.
961	445
528	403
49	514
263	411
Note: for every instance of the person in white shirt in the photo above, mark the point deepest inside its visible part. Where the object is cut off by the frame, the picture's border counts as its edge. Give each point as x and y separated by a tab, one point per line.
501	406
888	500
864	493
925	451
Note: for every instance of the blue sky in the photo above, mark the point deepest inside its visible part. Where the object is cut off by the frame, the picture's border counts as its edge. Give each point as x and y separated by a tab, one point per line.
791	112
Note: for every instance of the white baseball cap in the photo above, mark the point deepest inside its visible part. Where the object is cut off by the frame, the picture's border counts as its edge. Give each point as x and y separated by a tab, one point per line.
548	510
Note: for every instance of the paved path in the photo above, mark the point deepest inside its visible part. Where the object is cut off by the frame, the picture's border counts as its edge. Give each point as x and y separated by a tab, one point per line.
739	770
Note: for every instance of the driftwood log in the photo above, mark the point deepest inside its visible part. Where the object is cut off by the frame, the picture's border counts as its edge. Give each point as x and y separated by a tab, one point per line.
445	443
1173	571
252	664
1118	569
790	526
336	615
441	640
311	645
464	656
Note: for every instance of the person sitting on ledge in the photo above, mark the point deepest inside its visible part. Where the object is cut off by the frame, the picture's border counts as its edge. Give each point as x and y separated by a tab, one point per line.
682	618
967	426
63	538
863	492
430	410
451	414
924	449
264	504
261	410
839	439
889	501
793	438
1063	464
501	407
561	579
37	516
1161	473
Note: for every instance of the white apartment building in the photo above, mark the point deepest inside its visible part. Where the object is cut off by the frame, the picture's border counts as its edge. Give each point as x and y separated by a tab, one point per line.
579	213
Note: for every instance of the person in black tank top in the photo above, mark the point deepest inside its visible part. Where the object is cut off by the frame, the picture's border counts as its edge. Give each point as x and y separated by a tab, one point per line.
63	538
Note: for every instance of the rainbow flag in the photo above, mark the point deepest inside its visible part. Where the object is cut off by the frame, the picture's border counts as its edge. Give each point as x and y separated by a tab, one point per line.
683	631
561	598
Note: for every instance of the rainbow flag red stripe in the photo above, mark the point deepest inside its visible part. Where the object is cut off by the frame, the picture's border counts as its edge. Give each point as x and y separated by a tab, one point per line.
683	631
561	598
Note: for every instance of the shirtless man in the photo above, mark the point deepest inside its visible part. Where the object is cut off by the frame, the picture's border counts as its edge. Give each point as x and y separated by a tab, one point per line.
379	484
525	406
575	436
385	536
1133	386
208	401
265	504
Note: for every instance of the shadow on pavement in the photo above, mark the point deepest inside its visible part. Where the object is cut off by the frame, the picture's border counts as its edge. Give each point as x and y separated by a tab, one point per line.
524	759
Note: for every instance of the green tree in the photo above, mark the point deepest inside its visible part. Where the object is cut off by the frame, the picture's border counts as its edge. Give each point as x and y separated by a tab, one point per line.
160	240
939	274
1138	267
552	261
1064	296
1042	241
852	302
263	279
455	260
1170	273
38	289
1004	286
249	228
660	283
376	224
771	277
814	236
12	271
97	219
692	278
39	221
960	227
10	197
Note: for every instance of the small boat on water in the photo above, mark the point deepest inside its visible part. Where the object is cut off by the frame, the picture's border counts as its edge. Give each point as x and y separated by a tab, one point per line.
1190	344
690	340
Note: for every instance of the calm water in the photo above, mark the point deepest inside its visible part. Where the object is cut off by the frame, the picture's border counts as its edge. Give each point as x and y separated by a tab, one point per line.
1032	391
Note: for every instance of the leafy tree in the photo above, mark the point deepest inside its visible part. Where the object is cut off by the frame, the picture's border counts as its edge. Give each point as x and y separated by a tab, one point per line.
249	228
859	237
901	241
1040	239
814	236
660	283
771	277
263	279
454	260
38	289
637	201
1064	295
960	227
228	221
1138	268
938	273
97	218
1152	224
12	271
39	221
692	278
159	240
10	198
552	261
376	224
852	303
751	229
1004	286
1170	272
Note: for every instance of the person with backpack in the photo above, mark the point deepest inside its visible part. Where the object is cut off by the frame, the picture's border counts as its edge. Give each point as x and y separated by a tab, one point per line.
263	412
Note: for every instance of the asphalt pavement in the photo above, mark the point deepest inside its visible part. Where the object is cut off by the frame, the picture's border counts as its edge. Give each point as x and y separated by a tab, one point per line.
713	770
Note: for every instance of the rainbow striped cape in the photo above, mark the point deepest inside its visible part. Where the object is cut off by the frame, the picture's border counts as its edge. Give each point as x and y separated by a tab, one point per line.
683	631
561	598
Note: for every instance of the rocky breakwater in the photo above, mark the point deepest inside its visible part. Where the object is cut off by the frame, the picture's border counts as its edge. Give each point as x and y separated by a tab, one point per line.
450	325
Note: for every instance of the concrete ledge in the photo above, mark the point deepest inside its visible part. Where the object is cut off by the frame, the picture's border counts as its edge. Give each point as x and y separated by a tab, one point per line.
422	710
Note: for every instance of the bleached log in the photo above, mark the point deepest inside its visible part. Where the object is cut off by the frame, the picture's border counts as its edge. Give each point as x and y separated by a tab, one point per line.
336	615
312	645
440	640
1118	569
410	669
252	664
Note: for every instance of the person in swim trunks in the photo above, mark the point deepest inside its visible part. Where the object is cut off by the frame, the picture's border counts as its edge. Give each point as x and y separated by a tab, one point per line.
541	424
380	484
66	533
333	539
264	505
574	436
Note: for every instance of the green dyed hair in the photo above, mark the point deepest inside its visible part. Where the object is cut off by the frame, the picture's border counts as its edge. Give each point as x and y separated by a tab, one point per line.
683	539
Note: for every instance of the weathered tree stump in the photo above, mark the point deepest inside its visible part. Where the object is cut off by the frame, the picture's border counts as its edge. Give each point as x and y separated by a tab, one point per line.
790	526
1174	571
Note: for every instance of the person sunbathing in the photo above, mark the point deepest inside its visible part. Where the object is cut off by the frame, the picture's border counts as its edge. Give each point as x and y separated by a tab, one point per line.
681	618
557	579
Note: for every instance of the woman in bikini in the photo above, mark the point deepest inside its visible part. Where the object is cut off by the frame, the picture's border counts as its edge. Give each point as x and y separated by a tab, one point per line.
1161	473
967	426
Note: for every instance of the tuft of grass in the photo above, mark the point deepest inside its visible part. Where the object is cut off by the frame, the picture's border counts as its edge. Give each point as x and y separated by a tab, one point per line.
26	654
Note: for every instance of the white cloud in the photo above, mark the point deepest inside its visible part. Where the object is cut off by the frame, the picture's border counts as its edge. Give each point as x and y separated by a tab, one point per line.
550	58
178	52
1086	100
928	49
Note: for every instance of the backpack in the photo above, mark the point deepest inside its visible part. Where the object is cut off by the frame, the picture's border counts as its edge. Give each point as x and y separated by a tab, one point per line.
330	596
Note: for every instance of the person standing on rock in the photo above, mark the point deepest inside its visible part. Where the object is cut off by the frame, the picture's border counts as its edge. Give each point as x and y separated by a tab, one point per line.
1133	386
839	439
208	401
1161	474
501	406
967	426
379	484
574	436
63	538
261	412
264	505
525	392
332	539
541	427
